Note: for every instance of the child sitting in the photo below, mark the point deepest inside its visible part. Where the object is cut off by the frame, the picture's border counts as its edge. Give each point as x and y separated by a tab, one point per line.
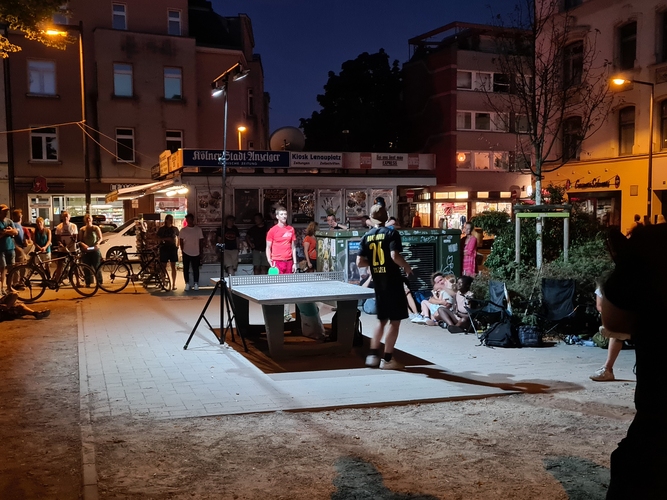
442	297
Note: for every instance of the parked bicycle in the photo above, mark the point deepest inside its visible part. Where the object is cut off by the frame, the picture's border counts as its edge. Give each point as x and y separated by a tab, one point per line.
31	279
117	273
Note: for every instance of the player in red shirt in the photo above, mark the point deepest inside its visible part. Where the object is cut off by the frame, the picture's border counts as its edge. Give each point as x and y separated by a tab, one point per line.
281	244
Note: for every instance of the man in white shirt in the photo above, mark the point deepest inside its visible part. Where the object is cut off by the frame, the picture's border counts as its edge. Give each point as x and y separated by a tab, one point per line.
66	234
192	246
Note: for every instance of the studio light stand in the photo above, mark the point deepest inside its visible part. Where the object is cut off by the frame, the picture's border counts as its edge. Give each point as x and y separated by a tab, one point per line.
220	86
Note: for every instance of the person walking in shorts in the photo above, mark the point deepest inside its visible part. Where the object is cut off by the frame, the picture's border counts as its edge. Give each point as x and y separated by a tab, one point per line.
381	250
281	244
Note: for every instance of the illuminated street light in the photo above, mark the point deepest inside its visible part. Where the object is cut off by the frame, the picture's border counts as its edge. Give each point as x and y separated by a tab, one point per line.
86	163
241	129
623	81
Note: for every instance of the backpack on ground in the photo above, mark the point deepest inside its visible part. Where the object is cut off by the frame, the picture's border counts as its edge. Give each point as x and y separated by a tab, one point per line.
500	334
530	336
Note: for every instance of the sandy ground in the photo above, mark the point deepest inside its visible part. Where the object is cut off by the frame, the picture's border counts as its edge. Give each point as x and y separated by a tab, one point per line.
527	446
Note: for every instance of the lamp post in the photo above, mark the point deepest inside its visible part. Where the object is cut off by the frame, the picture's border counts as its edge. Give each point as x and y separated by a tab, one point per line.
220	86
241	129
622	81
82	81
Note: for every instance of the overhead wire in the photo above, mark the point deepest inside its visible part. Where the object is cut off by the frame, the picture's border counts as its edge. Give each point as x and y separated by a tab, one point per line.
111	152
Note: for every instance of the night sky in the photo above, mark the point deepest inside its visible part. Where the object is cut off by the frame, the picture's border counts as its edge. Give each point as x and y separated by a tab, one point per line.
300	41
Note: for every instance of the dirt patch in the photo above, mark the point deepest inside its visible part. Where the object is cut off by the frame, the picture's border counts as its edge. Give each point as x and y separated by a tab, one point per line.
39	405
520	447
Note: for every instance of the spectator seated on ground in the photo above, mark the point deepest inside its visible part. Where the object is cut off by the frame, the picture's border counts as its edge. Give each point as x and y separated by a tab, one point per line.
456	318
10	309
442	297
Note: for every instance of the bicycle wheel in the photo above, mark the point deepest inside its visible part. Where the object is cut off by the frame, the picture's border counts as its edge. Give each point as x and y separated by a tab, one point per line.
27	281
77	278
115	274
165	280
156	276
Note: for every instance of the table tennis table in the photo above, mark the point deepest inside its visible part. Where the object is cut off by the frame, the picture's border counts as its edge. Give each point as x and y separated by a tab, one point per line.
274	292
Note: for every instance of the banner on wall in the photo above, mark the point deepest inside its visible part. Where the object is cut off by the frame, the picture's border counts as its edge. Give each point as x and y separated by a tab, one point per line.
315	160
389	161
211	158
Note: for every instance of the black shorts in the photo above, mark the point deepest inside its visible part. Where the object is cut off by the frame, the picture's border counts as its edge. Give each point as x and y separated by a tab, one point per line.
168	254
391	304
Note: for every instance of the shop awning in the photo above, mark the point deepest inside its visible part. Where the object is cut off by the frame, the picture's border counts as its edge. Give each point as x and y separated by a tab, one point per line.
132	192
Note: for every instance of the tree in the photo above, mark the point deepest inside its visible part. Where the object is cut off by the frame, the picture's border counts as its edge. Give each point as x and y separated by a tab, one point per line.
361	108
30	17
559	90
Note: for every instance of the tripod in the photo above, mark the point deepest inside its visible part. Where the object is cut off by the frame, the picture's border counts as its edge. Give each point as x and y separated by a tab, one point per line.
228	306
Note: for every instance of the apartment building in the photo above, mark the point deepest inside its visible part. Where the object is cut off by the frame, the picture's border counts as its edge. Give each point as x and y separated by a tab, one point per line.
450	84
613	171
147	70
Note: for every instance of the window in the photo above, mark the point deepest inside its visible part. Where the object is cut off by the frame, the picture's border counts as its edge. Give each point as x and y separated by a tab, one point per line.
251	102
42	77
125	144
463	120
663	125
172	83
174	140
464	80
501	83
174	22
44	144
483	81
627	37
572	138
60	16
500	122
119	16
626	129
521	124
122	80
483	160
251	145
482	121
663	35
573	63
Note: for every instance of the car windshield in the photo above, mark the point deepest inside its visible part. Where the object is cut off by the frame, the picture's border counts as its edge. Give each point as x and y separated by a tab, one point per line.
120	228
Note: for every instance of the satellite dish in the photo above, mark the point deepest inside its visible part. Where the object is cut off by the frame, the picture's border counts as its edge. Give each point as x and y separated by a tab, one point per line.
287	139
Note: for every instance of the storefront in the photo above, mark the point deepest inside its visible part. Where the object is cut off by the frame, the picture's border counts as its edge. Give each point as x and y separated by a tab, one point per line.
51	206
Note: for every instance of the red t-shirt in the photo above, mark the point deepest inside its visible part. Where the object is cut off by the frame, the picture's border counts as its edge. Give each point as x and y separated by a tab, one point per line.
281	239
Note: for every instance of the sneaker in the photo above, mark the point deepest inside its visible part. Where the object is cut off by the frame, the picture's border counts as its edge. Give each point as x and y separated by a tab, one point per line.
196	286
418	319
412	316
391	365
604	374
42	314
187	287
372	361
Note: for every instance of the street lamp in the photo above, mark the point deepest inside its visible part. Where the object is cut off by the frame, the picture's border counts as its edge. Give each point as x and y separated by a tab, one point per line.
623	81
82	78
241	129
220	86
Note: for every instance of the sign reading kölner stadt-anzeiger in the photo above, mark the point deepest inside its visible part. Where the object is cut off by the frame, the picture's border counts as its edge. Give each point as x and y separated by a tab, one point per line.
212	158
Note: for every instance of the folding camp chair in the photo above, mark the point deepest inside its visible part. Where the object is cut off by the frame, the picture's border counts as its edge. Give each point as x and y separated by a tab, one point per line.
496	309
557	302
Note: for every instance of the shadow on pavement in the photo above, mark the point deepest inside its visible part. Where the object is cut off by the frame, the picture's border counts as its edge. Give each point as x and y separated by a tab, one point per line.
581	479
360	480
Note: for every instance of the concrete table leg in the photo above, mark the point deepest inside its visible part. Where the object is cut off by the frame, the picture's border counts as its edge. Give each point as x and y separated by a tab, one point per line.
274	319
346	311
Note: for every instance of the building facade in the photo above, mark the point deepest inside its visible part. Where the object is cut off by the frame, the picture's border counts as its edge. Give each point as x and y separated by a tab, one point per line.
613	171
147	71
450	84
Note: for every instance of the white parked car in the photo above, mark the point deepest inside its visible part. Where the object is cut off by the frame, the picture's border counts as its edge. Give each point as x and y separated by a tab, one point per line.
113	241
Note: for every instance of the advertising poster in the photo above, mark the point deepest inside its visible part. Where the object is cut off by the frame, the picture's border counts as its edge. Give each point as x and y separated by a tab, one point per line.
272	199
303	206
210	255
356	206
246	205
330	202
209	202
245	252
353	273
